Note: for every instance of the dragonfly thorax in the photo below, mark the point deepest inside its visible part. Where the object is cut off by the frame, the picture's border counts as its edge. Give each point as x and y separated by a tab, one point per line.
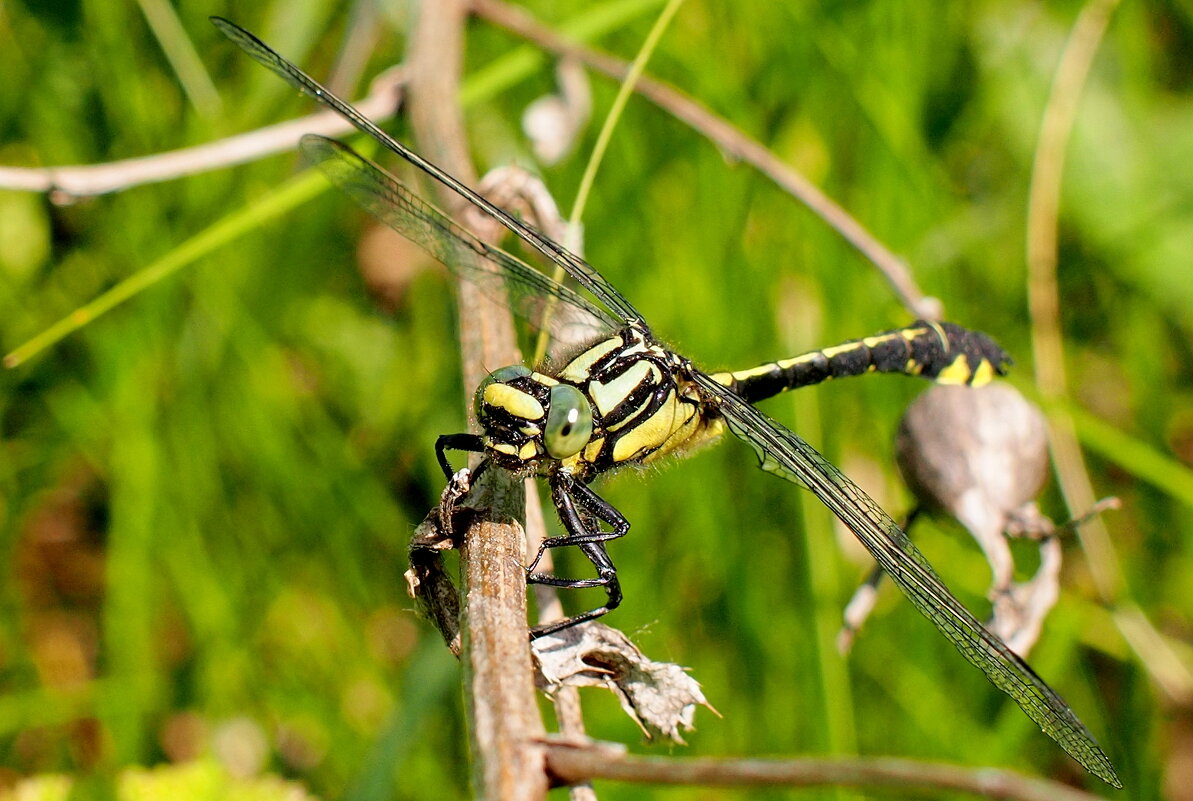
619	401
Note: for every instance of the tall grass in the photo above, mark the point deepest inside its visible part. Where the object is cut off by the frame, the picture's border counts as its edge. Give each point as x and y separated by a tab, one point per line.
205	494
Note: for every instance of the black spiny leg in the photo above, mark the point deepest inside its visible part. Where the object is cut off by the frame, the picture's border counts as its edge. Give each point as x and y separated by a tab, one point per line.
581	509
471	443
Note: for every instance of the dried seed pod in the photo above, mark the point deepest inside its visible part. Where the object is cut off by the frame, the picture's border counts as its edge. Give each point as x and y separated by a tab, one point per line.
981	455
978	454
554	122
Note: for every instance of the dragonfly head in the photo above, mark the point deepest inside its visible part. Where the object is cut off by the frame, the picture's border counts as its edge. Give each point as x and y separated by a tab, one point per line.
527	416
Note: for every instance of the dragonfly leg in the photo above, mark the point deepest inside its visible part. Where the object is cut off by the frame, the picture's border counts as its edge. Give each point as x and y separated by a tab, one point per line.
457	442
607	577
581	510
590	533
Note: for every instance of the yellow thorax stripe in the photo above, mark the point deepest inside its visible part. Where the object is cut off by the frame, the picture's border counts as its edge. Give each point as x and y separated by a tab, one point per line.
577	369
609	396
593	449
648	434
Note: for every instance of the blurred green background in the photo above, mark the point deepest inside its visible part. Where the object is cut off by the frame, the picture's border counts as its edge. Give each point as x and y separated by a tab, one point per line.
206	494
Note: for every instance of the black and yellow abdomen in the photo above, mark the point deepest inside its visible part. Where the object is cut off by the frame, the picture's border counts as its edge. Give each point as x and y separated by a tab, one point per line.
943	352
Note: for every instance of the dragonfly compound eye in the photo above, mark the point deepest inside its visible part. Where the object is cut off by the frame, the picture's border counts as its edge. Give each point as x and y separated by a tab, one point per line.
569	422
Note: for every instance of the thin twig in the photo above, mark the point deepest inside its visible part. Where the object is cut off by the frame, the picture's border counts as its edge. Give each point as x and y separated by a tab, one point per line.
569	713
502	708
1043	295
568	763
356	46
1043	212
729	139
66	184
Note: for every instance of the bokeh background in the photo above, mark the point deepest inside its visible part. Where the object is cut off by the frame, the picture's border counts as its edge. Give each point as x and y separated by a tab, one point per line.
206	494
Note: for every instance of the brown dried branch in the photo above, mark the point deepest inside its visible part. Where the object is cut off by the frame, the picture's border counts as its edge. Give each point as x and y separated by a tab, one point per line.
514	188
66	184
1043	213
1043	295
569	762
730	140
501	707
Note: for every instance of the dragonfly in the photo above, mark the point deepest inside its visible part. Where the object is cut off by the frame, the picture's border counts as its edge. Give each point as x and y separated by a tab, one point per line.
627	399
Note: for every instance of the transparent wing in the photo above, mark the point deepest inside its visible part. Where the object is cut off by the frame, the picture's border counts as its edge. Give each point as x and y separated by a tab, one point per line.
582	271
785	454
505	278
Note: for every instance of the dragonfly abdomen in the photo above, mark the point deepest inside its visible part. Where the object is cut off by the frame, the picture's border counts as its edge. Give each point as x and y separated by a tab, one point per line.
943	352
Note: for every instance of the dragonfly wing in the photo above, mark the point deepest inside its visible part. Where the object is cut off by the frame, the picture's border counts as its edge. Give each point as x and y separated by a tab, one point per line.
584	273
785	454
499	274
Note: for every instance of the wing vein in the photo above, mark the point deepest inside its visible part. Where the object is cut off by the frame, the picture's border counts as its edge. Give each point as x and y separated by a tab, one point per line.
785	454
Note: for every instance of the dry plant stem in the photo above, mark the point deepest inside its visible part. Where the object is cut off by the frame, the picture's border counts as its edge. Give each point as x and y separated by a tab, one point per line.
512	187
65	184
729	139
357	45
1043	296
1154	652
569	714
568	763
501	704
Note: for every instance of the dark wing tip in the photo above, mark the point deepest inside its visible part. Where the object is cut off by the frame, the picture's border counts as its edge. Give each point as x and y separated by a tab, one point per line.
246	41
231	29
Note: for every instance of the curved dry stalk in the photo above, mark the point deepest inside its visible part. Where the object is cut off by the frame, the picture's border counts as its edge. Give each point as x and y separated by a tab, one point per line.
731	141
569	762
66	184
1043	213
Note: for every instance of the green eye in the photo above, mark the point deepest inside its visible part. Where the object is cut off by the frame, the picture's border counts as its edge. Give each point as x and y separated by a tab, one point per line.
502	375
569	422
